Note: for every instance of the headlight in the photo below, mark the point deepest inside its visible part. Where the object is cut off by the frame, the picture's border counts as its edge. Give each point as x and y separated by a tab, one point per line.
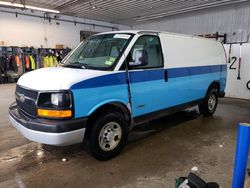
55	104
60	99
55	98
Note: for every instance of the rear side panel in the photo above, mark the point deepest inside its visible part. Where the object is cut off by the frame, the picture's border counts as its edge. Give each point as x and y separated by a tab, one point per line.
201	60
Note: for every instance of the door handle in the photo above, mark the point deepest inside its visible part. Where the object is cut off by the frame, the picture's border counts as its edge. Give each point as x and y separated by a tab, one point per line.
166	75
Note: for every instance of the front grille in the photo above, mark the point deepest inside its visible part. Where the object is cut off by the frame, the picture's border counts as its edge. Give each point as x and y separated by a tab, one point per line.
26	100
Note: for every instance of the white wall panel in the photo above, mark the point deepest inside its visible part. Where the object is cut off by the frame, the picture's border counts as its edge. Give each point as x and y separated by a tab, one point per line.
233	20
37	32
234	87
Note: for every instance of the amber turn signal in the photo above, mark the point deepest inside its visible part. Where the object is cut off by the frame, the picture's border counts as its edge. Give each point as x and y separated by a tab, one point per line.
54	113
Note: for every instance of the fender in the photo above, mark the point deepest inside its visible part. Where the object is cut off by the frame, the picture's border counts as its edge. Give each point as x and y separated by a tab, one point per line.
113	105
216	84
110	102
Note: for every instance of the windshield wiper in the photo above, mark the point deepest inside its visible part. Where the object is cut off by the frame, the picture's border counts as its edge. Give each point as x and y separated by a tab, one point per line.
75	65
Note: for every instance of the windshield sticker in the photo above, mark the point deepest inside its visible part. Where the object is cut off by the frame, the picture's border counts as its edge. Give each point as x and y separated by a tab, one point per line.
112	59
108	62
121	36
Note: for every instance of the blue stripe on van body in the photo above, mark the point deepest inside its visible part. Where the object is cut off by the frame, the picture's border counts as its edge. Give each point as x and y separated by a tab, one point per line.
119	79
146	75
101	81
191	71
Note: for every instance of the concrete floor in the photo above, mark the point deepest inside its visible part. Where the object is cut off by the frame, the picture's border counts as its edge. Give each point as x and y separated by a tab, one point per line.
156	154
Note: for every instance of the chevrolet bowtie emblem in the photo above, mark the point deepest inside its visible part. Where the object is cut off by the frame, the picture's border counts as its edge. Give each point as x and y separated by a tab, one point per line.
22	98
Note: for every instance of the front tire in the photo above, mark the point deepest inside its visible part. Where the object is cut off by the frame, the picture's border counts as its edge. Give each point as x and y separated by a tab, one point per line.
209	105
108	135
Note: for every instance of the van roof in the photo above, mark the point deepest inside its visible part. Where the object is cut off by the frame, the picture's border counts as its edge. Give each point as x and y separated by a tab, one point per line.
153	31
145	31
135	31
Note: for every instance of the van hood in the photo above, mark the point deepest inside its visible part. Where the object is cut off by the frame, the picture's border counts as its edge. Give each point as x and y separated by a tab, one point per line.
56	78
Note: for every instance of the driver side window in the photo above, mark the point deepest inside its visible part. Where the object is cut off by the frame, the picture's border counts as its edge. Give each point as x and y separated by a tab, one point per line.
151	45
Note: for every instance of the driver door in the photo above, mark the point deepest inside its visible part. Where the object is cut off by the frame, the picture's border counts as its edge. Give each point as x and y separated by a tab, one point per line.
144	80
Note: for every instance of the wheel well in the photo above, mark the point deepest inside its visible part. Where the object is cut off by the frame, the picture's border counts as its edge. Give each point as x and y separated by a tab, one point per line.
115	106
214	85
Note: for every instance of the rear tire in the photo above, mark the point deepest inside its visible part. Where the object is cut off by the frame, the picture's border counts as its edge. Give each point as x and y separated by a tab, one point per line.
108	135
209	105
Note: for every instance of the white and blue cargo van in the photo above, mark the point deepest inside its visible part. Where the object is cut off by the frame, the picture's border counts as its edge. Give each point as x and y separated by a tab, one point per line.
115	80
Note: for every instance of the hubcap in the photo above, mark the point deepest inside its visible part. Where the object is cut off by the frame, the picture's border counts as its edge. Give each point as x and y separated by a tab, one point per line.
110	136
211	102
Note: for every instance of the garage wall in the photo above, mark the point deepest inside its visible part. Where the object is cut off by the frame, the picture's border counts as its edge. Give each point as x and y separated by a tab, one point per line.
37	32
231	19
237	87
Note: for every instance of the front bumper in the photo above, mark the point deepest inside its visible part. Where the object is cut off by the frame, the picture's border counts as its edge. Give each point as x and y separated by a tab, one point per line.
46	131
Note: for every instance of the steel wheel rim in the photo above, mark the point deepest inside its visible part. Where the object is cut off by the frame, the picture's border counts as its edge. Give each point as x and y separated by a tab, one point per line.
110	136
211	102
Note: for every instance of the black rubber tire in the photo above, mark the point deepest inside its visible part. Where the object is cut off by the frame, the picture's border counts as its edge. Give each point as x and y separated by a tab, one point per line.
96	128
203	107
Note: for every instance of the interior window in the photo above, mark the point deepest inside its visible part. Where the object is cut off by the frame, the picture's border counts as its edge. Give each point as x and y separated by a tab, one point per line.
152	46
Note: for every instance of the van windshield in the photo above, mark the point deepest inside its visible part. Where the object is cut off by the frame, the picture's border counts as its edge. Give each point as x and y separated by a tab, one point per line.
98	52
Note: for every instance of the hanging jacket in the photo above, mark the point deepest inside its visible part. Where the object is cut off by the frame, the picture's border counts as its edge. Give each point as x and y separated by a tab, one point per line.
13	64
46	61
18	61
33	63
41	61
19	65
27	63
59	58
7	63
37	60
55	62
51	61
2	65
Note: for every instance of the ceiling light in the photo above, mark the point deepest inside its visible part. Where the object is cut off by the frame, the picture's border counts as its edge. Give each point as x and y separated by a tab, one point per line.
42	9
9	4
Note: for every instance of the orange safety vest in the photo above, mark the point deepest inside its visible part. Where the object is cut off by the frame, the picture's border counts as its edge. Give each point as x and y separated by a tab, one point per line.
17	59
27	62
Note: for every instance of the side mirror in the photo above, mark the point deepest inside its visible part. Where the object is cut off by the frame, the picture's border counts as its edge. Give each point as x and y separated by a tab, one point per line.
140	58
